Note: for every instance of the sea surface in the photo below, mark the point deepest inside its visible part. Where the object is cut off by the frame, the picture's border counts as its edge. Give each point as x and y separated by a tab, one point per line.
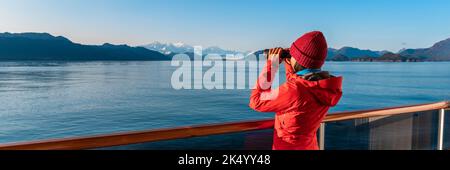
41	100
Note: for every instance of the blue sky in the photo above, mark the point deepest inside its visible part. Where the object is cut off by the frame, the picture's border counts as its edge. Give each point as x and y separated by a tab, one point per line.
234	24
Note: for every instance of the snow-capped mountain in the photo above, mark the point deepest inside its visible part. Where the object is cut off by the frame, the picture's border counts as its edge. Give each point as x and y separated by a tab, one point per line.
171	48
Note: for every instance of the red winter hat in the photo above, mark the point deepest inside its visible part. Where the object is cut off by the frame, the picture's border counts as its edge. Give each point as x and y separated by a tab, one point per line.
310	50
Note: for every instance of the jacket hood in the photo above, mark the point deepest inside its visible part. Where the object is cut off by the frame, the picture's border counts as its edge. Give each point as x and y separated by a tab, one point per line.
327	91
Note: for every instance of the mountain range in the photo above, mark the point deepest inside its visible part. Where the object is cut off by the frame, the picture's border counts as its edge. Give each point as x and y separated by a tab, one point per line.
352	52
44	46
438	52
175	48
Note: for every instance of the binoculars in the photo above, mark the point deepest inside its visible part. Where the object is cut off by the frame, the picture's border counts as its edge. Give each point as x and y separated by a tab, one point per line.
285	53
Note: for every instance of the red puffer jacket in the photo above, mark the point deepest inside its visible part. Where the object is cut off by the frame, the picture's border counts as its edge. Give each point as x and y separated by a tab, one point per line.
300	107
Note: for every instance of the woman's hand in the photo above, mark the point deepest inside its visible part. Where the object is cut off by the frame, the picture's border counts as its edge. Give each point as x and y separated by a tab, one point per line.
274	54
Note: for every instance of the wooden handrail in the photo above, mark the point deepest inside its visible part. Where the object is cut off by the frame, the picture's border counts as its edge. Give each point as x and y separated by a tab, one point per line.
126	138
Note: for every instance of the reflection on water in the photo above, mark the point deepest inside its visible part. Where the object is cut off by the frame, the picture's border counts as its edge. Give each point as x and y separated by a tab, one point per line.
58	99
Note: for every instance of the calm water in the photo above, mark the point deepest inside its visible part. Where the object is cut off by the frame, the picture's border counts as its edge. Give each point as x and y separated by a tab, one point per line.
51	100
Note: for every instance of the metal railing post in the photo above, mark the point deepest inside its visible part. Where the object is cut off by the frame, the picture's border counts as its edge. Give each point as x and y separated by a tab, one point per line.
440	140
322	136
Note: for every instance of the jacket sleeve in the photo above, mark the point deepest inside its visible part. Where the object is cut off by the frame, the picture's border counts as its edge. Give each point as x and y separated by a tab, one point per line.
265	99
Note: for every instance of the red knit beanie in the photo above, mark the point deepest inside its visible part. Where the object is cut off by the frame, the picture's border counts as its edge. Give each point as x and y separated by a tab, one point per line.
310	50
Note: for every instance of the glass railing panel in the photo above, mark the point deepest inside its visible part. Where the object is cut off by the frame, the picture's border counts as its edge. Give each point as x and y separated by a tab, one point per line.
251	140
347	135
447	130
416	131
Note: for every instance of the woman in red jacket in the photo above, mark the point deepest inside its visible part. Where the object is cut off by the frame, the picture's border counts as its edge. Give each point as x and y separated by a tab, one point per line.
303	101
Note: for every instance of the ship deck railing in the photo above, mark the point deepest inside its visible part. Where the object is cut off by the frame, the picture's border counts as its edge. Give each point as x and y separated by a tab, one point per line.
412	127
